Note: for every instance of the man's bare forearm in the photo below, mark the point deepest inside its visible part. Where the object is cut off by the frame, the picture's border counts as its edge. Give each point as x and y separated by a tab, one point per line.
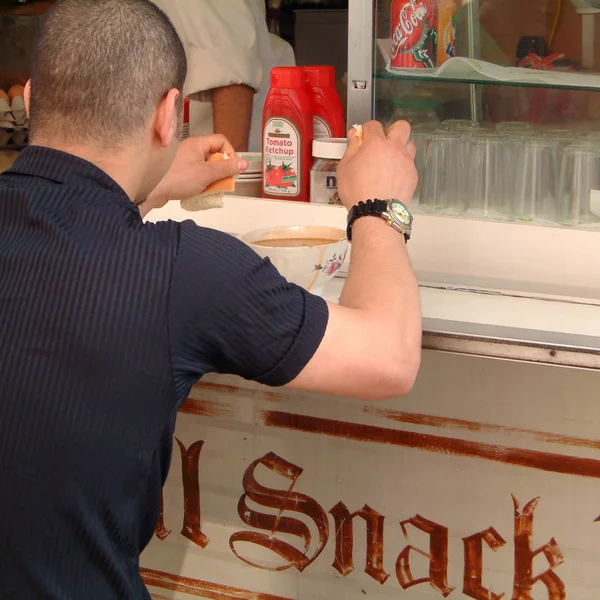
372	346
232	109
381	283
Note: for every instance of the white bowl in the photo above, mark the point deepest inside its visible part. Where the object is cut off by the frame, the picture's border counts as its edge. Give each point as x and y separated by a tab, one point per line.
311	267
249	188
251	176
254	160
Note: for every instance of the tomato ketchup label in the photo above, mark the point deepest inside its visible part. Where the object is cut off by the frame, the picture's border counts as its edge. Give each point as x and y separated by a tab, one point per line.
321	128
414	34
282	158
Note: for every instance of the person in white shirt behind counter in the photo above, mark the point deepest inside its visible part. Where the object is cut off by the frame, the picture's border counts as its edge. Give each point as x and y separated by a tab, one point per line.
230	55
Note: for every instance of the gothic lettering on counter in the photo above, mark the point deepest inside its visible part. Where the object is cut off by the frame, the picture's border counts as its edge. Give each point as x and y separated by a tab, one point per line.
190	457
437	556
344	541
284	506
524	556
473	578
283	501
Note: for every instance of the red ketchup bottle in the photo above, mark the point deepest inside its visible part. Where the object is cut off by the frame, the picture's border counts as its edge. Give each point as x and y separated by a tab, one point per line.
185	131
328	115
287	136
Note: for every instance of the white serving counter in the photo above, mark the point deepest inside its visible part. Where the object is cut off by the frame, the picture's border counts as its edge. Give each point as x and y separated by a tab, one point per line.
488	289
482	483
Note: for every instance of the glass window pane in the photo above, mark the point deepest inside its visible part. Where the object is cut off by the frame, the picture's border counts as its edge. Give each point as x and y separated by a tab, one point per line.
528	72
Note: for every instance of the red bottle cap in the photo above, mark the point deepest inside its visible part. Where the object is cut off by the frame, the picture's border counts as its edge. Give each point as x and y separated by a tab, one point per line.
288	77
320	76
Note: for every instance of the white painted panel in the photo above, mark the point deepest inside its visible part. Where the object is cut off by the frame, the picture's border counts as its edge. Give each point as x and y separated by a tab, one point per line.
460	251
473	434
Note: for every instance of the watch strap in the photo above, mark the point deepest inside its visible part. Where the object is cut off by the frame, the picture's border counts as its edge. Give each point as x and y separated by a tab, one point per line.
370	208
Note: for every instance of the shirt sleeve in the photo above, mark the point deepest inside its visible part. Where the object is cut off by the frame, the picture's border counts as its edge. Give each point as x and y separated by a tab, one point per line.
221	40
232	312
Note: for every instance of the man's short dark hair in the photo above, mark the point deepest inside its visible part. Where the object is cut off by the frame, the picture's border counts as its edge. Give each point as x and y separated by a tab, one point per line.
100	68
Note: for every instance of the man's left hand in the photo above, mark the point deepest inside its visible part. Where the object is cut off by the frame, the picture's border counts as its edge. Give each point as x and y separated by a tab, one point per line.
190	174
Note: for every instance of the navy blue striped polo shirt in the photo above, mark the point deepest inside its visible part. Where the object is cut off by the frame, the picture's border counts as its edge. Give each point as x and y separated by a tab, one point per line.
105	324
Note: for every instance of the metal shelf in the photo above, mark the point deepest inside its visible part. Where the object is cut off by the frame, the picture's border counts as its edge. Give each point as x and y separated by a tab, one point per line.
385	75
474	71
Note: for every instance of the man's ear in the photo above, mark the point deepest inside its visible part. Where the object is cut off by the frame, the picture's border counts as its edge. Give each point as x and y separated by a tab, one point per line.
165	120
27	96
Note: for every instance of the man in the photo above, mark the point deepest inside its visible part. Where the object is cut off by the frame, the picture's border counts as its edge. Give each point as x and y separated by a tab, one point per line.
106	322
230	54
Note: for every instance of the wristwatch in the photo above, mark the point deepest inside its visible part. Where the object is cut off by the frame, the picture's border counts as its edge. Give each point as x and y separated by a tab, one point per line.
394	212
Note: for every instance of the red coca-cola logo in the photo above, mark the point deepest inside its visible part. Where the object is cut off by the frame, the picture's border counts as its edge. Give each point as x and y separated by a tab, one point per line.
408	26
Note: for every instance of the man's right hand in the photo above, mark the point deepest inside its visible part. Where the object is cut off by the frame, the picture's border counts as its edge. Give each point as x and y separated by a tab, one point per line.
383	166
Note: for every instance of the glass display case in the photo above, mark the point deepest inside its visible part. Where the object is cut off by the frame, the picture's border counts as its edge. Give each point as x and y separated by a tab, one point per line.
504	100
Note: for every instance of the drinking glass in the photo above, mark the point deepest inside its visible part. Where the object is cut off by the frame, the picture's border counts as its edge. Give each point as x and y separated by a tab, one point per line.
530	134
589	139
535	178
462	125
421	135
563	137
491	174
579	195
514	127
444	187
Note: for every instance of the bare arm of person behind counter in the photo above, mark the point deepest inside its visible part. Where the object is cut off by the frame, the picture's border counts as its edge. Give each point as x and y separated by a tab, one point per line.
232	114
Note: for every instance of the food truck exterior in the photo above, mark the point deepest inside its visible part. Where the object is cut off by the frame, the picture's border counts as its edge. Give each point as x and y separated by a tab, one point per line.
482	483
285	496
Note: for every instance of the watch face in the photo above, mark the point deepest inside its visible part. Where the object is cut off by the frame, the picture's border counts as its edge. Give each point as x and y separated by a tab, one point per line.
401	213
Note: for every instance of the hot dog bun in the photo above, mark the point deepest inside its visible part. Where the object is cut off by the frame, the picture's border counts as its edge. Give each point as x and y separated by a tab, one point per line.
359	132
223	185
212	196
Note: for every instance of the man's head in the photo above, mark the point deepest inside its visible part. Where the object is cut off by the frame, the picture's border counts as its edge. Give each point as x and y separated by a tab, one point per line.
108	74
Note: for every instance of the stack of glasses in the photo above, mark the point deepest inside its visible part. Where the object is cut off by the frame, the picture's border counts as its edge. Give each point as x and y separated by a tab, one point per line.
512	173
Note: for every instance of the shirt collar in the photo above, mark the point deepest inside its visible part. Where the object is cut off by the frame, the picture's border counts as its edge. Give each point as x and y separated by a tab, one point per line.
60	167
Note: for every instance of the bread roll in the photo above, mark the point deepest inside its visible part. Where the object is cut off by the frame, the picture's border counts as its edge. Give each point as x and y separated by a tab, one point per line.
359	132
212	196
